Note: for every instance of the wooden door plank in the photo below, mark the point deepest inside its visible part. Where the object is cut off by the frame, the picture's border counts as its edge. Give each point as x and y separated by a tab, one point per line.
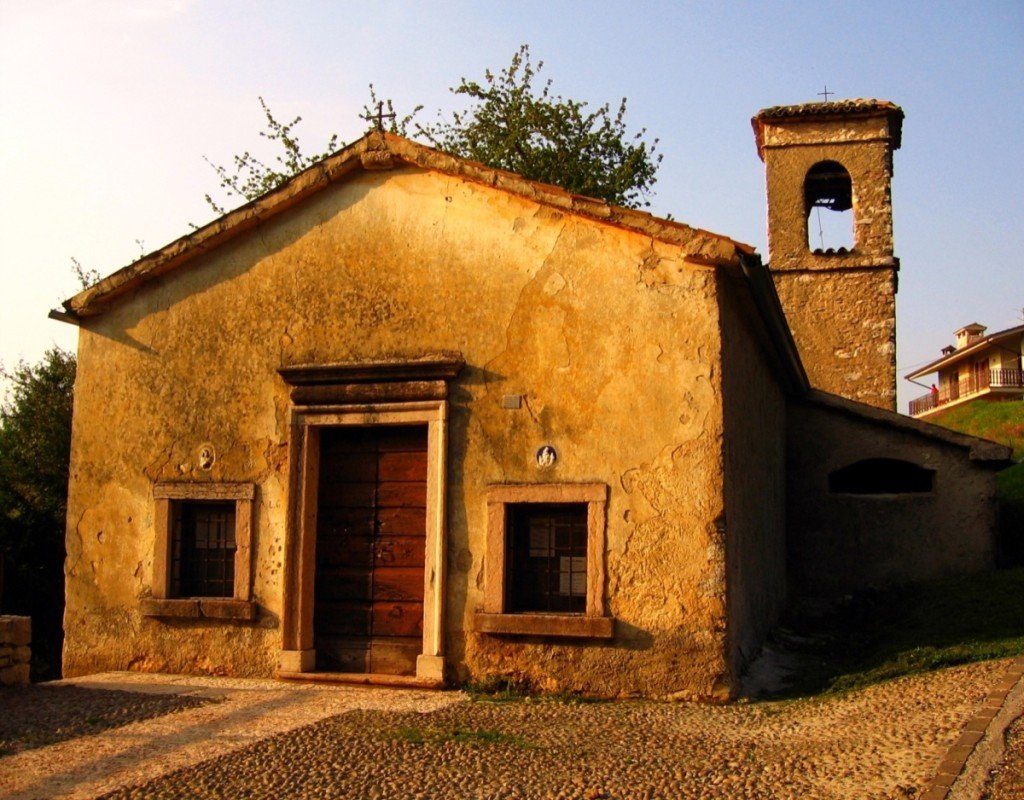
403	466
402	522
397	619
349	495
399	551
405	494
398	583
343	654
396	656
368	613
345	467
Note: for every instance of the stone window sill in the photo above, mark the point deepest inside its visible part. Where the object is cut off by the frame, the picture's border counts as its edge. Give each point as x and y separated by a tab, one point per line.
560	625
200	608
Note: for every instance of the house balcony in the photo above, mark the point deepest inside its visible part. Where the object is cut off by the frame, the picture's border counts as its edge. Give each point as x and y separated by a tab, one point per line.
1001	382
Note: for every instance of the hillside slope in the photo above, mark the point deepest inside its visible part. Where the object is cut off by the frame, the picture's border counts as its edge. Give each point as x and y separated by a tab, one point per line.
1003	423
1000	422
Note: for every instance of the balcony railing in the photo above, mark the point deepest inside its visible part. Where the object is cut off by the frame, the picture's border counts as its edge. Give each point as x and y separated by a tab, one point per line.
974	383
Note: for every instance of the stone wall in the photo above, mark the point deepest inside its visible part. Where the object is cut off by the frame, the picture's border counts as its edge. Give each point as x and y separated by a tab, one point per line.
841	542
844	324
841	305
15	649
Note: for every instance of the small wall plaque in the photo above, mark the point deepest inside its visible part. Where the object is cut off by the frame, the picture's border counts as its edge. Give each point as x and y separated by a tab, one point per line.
546	457
207	455
512	401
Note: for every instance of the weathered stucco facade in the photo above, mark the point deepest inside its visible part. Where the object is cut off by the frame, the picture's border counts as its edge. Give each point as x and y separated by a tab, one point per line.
401	264
441	423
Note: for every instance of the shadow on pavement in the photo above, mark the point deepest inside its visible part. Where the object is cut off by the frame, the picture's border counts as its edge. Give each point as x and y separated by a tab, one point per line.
38	715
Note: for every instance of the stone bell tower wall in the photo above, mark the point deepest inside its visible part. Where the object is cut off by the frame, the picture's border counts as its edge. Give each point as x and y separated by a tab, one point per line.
840	303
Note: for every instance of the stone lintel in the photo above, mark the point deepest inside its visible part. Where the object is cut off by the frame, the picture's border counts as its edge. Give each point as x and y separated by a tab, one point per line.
347	393
432	367
173	490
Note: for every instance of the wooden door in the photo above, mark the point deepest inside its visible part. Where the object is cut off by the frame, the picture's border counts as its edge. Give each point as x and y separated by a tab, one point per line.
370	545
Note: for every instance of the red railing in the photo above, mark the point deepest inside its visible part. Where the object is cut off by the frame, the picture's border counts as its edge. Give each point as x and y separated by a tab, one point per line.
966	386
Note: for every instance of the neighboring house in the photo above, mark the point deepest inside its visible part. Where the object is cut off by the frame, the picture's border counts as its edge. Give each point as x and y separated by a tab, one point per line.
978	367
408	418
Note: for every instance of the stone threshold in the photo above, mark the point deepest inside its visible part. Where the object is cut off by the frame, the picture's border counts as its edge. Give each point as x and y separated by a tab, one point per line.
361	679
983	725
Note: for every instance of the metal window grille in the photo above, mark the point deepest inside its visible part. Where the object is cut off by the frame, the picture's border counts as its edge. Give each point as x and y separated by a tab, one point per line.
548	558
203	549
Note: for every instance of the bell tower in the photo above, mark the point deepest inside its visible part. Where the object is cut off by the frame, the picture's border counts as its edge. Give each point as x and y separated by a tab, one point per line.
828	170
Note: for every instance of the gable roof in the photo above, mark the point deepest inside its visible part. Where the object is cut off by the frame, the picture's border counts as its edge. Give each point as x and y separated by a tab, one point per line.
992	340
982	451
384	151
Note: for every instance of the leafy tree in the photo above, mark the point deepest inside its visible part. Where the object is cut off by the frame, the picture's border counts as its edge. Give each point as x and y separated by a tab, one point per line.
510	124
35	445
252	177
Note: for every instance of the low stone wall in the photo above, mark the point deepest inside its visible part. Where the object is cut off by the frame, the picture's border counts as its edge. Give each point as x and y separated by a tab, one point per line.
842	540
15	652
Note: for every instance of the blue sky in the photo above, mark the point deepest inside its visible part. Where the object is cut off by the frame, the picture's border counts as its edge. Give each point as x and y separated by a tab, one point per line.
109	107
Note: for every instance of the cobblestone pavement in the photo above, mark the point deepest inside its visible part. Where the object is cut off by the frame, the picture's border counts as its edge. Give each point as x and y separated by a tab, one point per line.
230	714
35	716
1007	782
884	742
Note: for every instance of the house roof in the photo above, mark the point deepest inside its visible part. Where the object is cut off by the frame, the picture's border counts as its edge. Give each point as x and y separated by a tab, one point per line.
385	151
855	107
965	352
982	451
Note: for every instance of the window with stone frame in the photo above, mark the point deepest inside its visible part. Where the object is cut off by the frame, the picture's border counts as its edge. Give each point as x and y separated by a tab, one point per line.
544	565
202	558
202	548
547	557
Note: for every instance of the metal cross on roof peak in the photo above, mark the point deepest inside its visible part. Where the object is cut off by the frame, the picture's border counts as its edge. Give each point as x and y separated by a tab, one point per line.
378	118
826	93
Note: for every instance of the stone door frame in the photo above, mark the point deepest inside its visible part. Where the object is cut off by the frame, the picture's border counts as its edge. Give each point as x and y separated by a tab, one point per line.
337	395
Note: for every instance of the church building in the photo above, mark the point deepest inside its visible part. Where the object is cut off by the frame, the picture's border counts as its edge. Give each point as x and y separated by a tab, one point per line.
410	419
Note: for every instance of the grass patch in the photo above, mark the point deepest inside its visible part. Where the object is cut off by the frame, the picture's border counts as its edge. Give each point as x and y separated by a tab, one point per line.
878	636
1001	422
495	689
456	735
1010	491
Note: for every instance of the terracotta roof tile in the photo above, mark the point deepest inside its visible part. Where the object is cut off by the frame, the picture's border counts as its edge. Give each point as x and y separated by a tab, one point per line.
851	107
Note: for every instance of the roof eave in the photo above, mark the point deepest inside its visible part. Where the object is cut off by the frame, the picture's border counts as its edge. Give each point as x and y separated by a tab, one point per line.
982	451
381	151
953	358
766	298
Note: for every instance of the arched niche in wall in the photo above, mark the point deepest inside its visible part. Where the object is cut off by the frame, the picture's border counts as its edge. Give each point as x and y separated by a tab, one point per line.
881	476
828	203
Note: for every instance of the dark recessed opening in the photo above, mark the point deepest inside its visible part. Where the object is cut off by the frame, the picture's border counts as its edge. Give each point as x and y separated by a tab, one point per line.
548	556
828	203
203	549
881	476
